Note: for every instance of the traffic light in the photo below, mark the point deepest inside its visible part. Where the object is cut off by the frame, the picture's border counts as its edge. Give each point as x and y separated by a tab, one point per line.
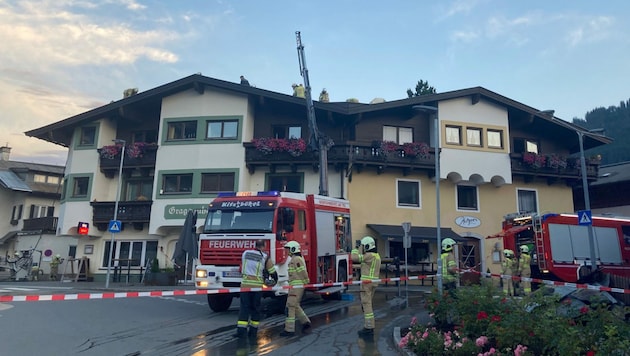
83	228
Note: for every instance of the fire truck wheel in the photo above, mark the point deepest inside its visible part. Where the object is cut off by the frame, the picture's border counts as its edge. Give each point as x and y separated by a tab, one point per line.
219	302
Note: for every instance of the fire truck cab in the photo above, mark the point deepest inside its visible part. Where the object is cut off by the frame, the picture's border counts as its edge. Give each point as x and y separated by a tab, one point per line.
236	220
560	245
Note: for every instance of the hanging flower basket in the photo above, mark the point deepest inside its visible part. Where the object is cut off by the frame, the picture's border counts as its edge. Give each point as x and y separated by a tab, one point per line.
294	146
416	149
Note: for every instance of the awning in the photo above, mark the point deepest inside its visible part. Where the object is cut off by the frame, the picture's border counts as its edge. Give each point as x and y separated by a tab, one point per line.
417	233
7	236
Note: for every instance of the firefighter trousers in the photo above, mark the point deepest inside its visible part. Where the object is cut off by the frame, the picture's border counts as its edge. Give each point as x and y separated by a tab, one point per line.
294	310
367	294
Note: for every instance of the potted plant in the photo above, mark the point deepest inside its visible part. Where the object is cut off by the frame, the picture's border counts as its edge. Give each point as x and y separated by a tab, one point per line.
161	276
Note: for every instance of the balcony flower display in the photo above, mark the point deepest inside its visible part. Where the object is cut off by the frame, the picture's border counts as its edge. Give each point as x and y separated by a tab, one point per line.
110	152
294	146
416	149
556	161
134	150
389	146
534	160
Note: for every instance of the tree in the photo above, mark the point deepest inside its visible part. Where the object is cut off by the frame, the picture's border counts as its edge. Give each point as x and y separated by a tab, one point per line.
422	88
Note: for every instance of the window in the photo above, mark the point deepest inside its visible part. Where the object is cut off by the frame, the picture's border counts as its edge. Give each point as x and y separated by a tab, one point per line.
495	139
80	188
17	212
522	145
139	189
39	178
88	136
301	220
148	136
217	182
52	180
473	137
222	129
182	130
527	201
467	197
408	193
400	135
177	183
41	211
285	182
131	253
454	135
287	131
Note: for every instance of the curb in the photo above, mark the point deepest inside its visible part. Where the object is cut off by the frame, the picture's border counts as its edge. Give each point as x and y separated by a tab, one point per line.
397	338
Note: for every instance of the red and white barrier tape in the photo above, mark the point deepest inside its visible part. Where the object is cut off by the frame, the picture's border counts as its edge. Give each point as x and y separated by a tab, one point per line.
171	293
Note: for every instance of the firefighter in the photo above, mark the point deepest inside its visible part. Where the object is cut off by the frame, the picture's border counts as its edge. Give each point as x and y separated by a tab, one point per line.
253	262
370	262
297	276
508	268
449	264
524	268
298	90
323	96
54	267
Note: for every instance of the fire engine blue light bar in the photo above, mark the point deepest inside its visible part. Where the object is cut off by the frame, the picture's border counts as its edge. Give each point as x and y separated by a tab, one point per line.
271	193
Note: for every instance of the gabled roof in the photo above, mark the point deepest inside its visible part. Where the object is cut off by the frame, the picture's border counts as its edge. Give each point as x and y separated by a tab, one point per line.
60	132
613	173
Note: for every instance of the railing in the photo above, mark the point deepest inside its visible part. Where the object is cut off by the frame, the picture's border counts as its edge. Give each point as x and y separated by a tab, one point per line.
111	165
572	170
135	212
45	224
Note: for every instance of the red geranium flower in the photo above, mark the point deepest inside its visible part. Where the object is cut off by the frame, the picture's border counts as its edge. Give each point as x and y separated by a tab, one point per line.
496	318
482	315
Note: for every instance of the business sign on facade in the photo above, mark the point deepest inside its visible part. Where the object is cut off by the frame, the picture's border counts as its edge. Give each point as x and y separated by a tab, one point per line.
180	211
468	222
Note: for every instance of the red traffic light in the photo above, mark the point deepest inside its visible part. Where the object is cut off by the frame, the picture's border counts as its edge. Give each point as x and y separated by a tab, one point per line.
83	228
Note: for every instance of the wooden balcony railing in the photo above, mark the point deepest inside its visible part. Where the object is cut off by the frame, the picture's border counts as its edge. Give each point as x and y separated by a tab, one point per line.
110	166
572	171
129	212
45	224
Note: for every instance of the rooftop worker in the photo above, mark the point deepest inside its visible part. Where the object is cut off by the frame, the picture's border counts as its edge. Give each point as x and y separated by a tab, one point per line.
323	96
244	81
298	90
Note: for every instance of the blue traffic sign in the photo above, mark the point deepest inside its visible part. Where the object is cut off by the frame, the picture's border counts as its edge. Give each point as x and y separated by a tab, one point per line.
114	226
585	217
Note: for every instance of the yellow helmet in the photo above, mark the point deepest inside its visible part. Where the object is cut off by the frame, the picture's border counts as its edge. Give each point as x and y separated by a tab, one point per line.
508	253
368	243
447	244
524	249
293	246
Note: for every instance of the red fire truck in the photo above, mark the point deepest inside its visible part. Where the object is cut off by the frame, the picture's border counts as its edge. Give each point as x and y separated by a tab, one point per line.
320	224
560	246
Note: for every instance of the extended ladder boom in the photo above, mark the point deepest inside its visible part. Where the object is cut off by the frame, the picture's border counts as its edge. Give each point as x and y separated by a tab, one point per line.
317	141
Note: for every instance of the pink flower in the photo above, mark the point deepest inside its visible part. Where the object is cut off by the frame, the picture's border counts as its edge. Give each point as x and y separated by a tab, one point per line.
520	349
425	335
414	321
481	340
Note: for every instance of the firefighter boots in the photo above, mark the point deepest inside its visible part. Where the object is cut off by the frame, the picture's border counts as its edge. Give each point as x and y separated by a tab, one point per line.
366	332
287	333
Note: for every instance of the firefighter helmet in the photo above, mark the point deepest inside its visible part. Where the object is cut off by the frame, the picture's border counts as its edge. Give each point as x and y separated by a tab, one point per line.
293	246
508	253
368	243
447	244
270	282
524	249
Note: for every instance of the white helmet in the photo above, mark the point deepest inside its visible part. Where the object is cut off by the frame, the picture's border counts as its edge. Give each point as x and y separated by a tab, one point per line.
524	249
293	246
447	244
508	253
368	243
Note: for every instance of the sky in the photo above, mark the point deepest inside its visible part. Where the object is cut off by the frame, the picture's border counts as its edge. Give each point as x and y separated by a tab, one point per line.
60	58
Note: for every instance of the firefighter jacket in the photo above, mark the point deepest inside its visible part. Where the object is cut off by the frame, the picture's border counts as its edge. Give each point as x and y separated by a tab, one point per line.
524	265
370	264
449	267
297	271
508	266
252	264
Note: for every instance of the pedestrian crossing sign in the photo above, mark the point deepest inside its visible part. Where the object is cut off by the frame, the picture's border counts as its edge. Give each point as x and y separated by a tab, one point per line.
585	217
114	226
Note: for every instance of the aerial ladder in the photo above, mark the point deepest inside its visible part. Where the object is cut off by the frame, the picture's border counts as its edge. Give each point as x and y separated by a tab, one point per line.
318	142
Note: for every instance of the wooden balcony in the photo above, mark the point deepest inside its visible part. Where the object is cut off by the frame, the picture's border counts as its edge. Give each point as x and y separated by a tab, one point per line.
45	224
110	166
340	156
572	173
136	213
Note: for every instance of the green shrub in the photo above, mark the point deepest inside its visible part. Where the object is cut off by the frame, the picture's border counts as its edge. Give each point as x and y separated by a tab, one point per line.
478	320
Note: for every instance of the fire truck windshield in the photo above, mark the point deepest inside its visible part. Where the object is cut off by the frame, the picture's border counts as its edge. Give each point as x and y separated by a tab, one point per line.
222	220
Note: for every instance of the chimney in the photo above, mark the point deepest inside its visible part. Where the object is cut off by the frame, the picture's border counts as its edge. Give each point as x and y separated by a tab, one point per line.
5	152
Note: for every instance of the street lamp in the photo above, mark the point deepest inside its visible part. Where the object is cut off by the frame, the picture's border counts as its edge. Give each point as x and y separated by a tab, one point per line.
587	201
433	111
118	188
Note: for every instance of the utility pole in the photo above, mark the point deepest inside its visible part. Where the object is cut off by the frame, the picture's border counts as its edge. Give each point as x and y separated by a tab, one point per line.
317	141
